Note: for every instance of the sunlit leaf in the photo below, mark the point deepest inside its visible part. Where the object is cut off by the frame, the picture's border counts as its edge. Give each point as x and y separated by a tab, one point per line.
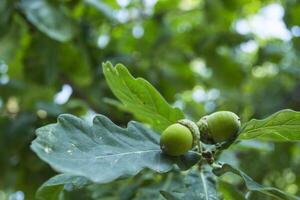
140	97
281	126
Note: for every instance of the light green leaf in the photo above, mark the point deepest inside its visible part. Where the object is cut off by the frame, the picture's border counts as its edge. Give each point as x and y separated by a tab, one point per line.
101	151
54	187
281	126
197	186
254	186
48	19
140	97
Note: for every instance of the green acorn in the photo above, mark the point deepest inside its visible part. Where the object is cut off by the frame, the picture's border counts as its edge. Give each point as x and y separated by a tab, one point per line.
176	140
219	126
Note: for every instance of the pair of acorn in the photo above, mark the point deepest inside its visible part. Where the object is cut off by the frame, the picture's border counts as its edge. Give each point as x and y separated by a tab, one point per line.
179	138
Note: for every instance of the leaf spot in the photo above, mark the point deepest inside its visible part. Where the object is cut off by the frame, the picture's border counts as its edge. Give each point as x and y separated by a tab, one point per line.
70	151
47	150
73	145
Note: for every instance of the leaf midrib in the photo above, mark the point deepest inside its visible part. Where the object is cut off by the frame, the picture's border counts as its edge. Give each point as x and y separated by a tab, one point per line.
129	153
204	186
112	155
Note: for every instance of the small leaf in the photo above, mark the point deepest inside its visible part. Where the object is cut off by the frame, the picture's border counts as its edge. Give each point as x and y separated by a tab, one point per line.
281	126
54	187
140	97
102	151
48	19
254	186
197	186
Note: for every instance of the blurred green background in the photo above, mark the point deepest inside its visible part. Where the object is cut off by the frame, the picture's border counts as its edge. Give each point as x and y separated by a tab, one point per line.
202	55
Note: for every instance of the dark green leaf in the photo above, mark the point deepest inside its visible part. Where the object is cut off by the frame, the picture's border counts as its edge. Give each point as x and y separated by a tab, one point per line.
188	160
281	126
54	187
140	97
254	186
165	182
102	151
199	185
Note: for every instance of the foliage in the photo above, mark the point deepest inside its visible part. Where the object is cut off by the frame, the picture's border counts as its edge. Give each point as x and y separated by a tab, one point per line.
140	98
281	126
103	152
190	50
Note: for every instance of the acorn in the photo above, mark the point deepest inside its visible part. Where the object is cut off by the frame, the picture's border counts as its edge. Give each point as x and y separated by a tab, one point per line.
219	127
176	140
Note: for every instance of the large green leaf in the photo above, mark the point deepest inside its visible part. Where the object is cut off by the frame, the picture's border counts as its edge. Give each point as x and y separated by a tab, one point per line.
101	151
50	20
254	186
140	97
281	126
54	187
197	186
